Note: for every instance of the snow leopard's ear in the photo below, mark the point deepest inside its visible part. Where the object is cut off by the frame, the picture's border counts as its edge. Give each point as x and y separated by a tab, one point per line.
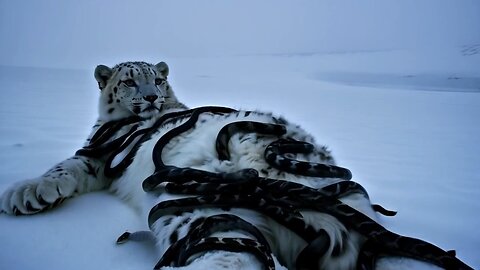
102	74
162	67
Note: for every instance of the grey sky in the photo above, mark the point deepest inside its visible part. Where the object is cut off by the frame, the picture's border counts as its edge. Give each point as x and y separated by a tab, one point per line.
84	33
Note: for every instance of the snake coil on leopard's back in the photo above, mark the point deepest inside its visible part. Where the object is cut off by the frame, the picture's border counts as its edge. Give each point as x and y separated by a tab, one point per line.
278	199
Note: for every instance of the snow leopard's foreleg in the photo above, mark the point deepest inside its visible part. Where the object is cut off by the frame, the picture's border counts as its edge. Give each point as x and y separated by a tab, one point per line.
73	176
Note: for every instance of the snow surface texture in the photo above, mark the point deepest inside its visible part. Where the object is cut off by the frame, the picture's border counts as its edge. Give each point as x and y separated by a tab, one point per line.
397	100
415	151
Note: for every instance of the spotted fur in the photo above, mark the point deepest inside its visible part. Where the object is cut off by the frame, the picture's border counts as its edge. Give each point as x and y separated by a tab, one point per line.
129	92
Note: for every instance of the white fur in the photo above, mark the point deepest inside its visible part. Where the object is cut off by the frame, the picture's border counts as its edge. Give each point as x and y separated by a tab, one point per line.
196	149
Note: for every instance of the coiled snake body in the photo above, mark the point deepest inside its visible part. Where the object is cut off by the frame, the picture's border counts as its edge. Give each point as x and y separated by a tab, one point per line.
278	199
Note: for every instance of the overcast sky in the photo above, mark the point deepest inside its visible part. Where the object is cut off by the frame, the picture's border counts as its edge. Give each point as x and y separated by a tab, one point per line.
59	33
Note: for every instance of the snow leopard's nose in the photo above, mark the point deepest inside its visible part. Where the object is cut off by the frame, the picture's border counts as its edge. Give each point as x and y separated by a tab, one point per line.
150	98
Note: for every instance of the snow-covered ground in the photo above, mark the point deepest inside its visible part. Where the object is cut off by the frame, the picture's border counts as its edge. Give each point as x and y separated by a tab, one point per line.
405	122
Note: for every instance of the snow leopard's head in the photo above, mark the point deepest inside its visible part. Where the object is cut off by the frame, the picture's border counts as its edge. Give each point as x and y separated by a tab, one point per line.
134	89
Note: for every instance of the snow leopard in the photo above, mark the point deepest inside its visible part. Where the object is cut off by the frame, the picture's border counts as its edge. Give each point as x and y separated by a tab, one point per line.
138	109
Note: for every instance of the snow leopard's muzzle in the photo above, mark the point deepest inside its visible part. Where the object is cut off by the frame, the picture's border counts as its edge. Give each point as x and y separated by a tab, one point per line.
148	100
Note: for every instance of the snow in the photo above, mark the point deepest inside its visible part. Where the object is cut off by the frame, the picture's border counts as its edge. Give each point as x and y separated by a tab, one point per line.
58	33
393	88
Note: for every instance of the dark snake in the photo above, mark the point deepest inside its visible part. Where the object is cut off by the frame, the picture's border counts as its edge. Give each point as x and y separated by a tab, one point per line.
280	200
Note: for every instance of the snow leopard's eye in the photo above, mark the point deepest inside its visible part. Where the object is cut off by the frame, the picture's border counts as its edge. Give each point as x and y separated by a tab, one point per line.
130	83
159	81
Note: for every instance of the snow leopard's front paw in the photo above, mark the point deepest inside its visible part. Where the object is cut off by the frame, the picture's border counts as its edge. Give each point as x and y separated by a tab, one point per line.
36	195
